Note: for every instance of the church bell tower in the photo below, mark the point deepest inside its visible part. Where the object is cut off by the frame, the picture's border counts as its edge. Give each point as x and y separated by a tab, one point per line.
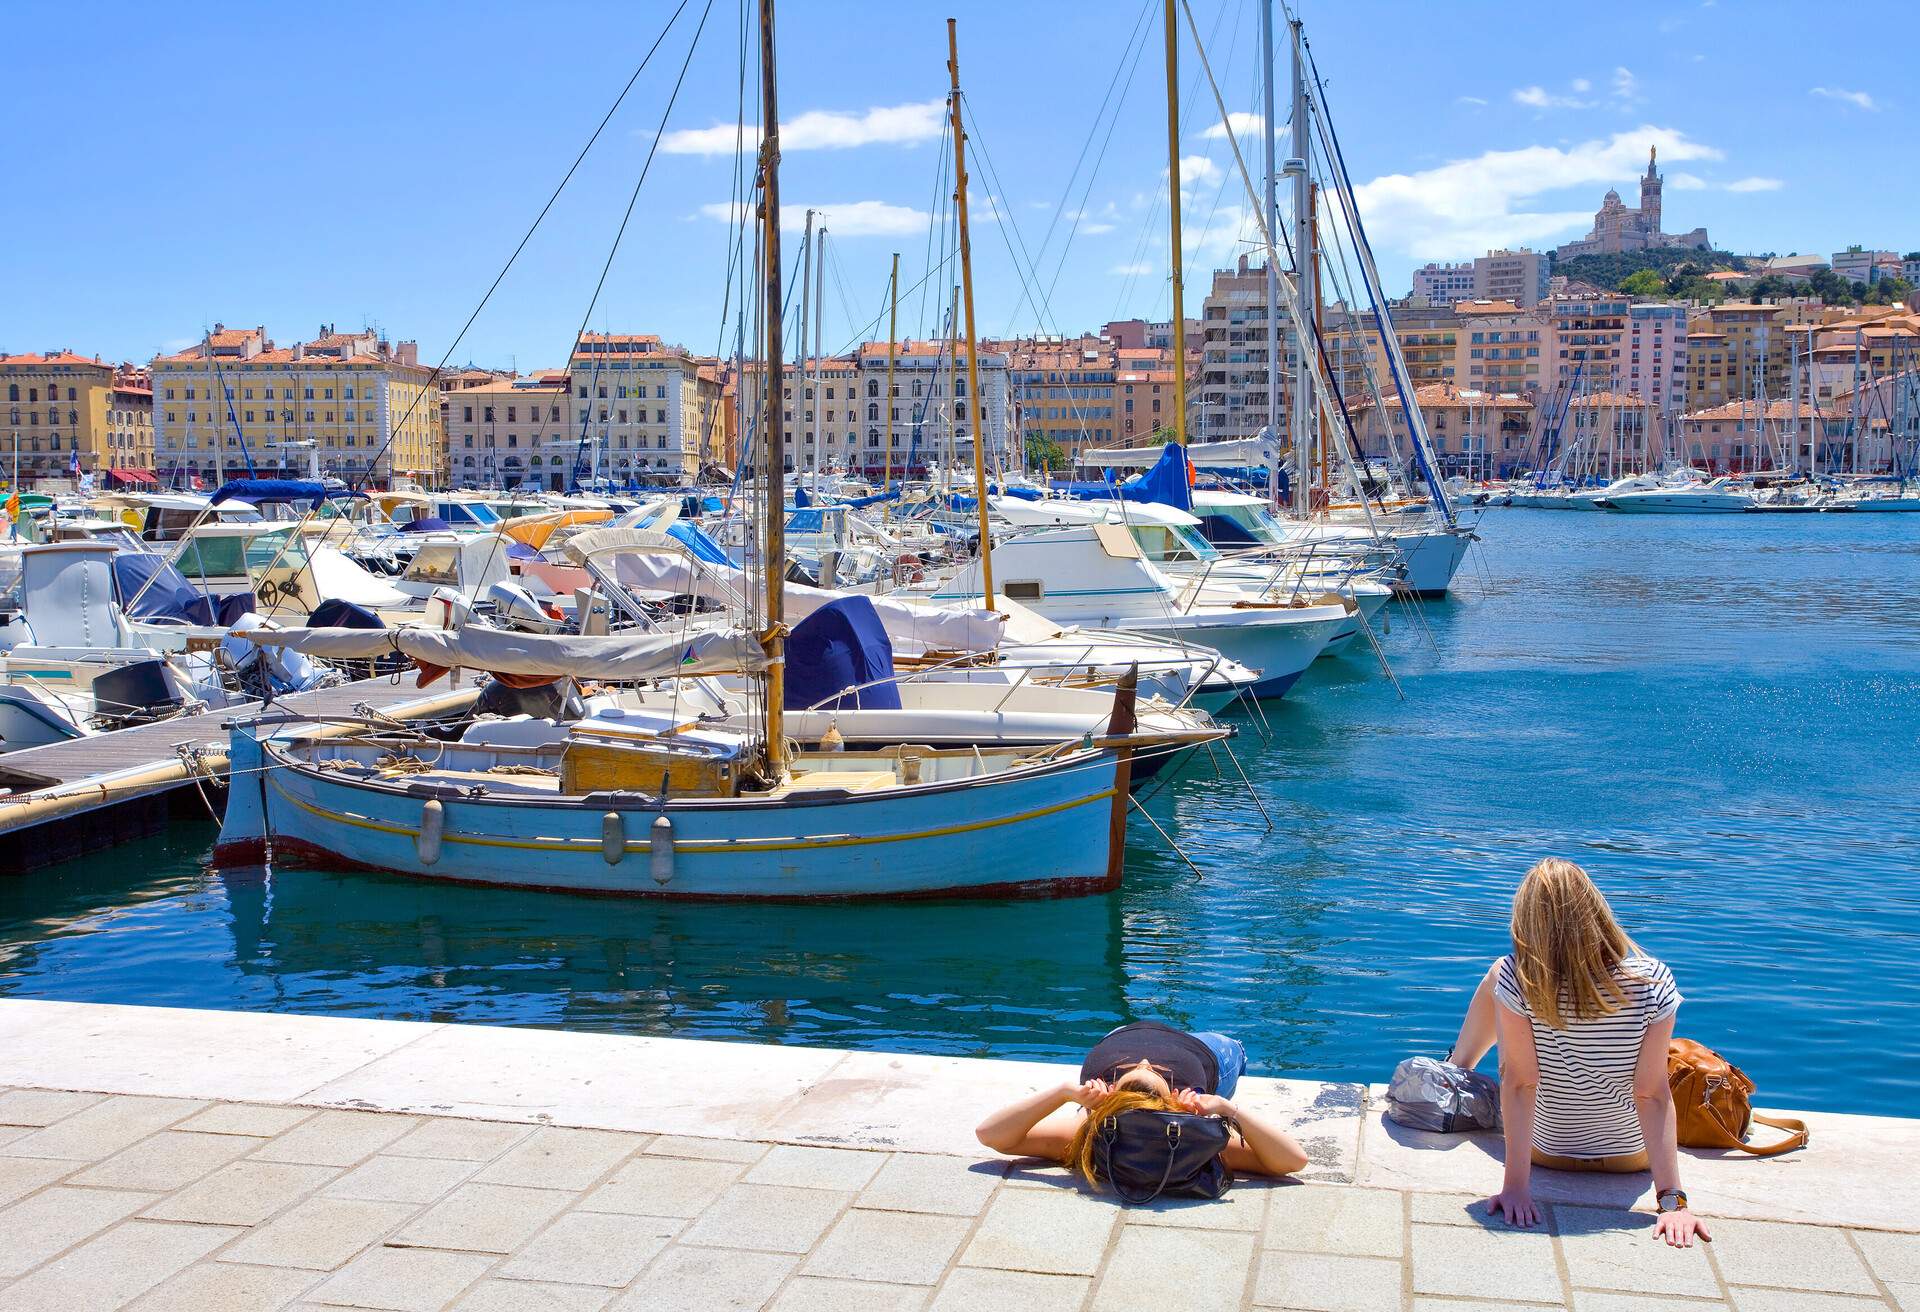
1650	195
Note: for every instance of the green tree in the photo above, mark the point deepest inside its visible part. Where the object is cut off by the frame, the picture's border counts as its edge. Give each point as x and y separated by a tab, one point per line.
1643	282
1045	453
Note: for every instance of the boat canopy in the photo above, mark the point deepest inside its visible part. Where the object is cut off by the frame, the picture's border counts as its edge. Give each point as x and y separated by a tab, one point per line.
1241	453
617	656
839	657
261	491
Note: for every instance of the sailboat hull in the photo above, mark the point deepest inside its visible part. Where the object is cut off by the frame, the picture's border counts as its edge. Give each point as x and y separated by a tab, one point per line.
1042	830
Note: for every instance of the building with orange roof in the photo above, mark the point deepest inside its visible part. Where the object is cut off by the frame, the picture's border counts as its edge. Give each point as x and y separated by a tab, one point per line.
522	419
1745	435
365	409
62	412
1475	432
641	408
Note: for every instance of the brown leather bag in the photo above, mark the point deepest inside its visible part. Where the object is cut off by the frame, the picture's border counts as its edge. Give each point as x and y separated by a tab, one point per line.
1712	1103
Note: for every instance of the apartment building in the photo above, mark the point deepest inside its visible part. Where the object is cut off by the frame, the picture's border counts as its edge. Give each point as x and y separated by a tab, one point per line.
1866	267
1519	276
59	414
128	459
1589	340
1657	356
1473	432
1063	390
1499	346
1443	284
1745	435
642	403
512	431
364	407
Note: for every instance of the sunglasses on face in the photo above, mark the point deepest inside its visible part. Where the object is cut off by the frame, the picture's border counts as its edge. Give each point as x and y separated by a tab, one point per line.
1120	1072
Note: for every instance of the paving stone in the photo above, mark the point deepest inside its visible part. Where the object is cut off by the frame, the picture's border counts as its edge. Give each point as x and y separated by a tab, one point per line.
8	1133
245	1193
104	1128
553	1158
1031	1174
336	1138
1906	1294
816	1168
229	1287
319	1234
918	1182
767	1217
464	1141
684	1279
1788	1257
811	1294
486	1218
1609	1249
1452	1209
971	1289
531	1296
1243	1207
1589	1300
1322	1218
402	1279
165	1161
245	1118
718	1150
34	1229
1493	1264
401	1179
902	1248
1327	1282
663	1186
119	1265
1193	1270
1475	1305
38	1107
1799	1300
1895	1258
20	1176
591	1248
1053	1231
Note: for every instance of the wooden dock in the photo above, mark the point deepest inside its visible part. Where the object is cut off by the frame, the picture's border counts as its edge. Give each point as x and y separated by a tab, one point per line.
67	799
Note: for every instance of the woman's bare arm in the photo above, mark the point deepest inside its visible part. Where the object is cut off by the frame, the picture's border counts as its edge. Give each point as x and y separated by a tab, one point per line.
1261	1148
1653	1105
1519	1087
1017	1130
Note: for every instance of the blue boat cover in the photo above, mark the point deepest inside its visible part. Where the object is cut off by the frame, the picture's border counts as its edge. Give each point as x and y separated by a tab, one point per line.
168	597
255	491
840	646
800	498
338	614
1169	482
699	542
426	524
521	551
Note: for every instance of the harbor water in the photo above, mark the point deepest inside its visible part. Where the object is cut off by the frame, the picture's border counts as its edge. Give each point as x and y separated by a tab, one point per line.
1717	716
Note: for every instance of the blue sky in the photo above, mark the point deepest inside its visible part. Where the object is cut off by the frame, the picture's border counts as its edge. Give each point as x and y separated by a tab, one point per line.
375	164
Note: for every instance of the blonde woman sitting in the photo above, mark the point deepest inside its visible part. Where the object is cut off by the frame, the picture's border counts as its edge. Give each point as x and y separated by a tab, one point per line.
1144	1066
1582	1018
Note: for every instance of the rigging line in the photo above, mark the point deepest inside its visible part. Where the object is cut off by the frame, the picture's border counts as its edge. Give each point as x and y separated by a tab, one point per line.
872	325
1134	46
494	286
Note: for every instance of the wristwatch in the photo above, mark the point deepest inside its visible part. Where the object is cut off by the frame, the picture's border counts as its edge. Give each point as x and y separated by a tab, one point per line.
1676	1197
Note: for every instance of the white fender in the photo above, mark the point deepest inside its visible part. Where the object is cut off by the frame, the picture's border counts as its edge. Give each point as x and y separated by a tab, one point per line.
613	837
433	825
660	850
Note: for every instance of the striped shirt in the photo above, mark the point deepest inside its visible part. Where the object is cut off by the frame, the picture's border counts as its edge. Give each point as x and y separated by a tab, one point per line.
1584	1107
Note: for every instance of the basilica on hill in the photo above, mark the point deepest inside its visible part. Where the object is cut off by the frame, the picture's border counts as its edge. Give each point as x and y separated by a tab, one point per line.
1617	228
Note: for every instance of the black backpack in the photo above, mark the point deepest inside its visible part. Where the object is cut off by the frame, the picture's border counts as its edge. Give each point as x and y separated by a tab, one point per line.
1145	1154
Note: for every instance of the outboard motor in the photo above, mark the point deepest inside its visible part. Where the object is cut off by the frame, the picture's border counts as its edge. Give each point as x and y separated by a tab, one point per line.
515	608
138	692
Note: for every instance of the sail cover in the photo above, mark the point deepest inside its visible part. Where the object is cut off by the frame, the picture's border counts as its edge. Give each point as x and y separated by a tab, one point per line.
1242	453
616	656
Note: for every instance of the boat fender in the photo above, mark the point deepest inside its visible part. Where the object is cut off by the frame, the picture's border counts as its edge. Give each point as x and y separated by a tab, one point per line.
660	850
433	824
613	837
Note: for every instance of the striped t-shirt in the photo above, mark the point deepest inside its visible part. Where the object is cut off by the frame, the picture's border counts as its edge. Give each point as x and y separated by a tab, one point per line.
1584	1107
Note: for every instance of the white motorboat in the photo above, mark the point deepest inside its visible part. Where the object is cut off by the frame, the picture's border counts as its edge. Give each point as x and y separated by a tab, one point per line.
1717	496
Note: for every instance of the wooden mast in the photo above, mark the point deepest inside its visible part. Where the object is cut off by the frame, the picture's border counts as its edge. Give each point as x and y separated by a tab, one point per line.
973	354
1173	207
773	549
893	339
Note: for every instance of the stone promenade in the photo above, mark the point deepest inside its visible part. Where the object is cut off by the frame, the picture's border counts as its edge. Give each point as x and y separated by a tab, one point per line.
200	1161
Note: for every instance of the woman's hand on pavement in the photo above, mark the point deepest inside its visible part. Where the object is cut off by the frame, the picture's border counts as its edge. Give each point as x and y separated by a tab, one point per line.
1518	1207
1680	1228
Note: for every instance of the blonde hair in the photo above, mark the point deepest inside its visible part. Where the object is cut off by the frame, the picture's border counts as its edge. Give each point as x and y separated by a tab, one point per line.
1123	1099
1567	947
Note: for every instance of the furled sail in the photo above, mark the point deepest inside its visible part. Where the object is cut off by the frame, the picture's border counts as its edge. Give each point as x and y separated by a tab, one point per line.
615	656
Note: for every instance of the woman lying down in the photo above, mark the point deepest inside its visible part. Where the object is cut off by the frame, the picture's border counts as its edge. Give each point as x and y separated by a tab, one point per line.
1148	1067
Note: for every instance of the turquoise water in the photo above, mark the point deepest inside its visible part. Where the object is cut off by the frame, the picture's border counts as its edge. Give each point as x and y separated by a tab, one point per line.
1718	717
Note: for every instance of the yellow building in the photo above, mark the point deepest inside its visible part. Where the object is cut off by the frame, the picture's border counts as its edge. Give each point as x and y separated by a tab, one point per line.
640	403
58	404
361	407
129	454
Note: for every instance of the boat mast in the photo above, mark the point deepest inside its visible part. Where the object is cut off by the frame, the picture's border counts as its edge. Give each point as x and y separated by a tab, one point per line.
893	340
800	328
1304	290
1173	209
966	282
1273	266
773	558
819	353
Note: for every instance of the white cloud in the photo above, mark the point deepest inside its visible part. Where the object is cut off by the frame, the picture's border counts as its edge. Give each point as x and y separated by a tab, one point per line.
857	218
1537	97
1131	270
1581	85
1492	199
1756	184
1469	100
1858	99
1685	182
1095	229
824	129
1197	171
1626	87
1245	125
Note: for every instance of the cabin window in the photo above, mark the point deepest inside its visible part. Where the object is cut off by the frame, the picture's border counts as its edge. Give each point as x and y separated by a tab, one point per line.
1024	590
